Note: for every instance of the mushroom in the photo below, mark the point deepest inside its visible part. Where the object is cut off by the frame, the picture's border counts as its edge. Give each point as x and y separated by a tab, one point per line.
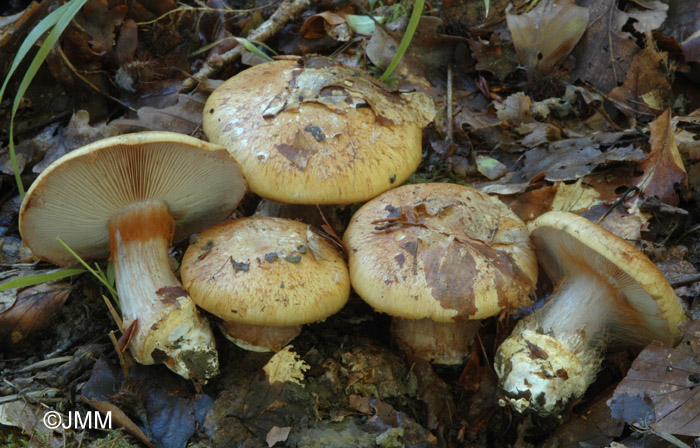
317	132
438	257
129	195
606	292
265	278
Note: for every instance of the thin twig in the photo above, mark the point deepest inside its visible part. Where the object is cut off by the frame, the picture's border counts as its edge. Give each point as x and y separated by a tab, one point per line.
450	124
286	11
630	192
685	280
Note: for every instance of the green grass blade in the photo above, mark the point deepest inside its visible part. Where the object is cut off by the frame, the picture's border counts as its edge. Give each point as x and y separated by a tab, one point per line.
59	21
407	37
248	45
31	280
99	276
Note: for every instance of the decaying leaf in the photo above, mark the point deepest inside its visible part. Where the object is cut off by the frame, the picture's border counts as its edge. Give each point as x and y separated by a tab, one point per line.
494	55
326	23
185	116
28	418
435	393
591	426
156	398
32	311
683	23
646	89
422	66
545	36
562	160
605	51
663	168
667	382
340	88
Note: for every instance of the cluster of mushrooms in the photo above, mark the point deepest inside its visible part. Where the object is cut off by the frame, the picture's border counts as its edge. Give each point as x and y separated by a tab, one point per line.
436	257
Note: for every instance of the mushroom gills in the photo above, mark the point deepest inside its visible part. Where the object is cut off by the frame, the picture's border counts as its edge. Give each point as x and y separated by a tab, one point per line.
169	328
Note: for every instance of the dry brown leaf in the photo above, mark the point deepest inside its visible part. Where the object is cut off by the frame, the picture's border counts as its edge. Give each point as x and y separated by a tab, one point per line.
494	56
326	23
592	426
646	89
662	388
683	23
29	418
544	36
185	116
605	52
92	35
663	169
424	63
33	310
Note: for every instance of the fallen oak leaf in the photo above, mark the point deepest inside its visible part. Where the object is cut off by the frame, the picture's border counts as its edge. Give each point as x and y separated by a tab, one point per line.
646	88
663	168
31	312
670	379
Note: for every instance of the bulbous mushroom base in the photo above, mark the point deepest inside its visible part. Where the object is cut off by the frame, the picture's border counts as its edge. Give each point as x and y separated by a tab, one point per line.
168	327
259	338
183	341
439	343
540	373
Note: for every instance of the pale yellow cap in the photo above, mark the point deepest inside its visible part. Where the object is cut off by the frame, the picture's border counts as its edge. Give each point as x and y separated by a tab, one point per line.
266	271
445	252
321	133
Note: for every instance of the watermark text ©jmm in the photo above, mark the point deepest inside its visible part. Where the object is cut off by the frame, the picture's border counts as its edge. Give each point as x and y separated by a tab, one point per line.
78	420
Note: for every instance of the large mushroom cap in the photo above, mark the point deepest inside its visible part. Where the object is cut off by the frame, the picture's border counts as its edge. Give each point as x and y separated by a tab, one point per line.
317	134
266	271
568	243
76	196
440	251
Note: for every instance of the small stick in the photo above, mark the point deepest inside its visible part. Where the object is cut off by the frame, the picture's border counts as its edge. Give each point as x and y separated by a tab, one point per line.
685	280
286	11
450	124
120	354
114	314
630	192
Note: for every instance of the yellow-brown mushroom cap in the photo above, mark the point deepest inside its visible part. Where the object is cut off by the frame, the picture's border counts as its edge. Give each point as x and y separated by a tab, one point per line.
567	244
266	271
317	134
77	195
445	252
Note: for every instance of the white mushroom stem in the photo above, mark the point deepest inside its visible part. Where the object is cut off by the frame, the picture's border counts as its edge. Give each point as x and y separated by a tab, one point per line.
259	338
169	328
554	354
440	343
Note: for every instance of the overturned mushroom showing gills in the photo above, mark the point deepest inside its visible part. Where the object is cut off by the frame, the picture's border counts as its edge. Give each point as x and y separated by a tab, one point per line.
606	293
128	196
317	132
265	278
436	257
